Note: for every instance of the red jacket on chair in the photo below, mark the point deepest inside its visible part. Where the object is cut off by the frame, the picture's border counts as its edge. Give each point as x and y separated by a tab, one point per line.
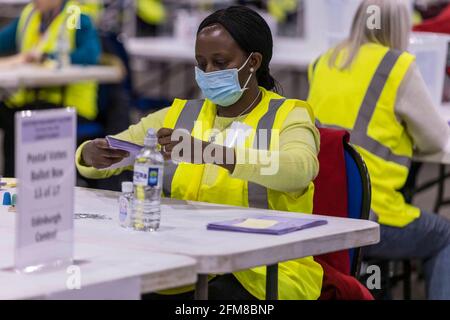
438	24
330	199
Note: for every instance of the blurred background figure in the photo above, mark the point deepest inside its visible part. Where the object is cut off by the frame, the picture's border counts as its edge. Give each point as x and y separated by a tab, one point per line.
429	9
41	34
370	85
436	19
150	15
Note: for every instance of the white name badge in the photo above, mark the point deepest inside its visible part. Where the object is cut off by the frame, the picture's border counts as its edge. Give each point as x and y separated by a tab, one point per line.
237	134
45	168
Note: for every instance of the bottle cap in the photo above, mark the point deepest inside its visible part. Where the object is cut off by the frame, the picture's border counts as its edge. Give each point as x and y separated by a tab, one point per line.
127	187
151	140
7	199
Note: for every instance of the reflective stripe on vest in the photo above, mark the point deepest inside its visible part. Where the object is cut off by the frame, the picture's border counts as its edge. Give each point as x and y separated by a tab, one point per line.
257	194
359	133
186	120
21	34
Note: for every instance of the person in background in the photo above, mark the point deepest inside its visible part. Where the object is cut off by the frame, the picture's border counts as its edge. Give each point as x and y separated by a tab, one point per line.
372	87
233	52
92	8
439	23
429	9
150	15
34	37
281	9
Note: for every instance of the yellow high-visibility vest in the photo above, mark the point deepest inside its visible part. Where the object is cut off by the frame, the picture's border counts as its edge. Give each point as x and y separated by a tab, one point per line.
92	8
417	18
279	9
298	279
151	11
82	96
362	99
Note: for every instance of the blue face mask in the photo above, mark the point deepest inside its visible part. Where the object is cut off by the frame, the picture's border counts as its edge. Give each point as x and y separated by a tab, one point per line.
222	87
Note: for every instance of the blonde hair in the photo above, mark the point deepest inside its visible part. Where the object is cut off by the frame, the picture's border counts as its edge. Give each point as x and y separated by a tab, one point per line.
393	30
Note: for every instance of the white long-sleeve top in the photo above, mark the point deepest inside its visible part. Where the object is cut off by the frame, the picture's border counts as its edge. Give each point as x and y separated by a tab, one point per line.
421	117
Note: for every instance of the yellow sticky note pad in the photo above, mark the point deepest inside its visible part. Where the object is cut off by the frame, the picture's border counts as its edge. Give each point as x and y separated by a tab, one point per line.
257	223
10	182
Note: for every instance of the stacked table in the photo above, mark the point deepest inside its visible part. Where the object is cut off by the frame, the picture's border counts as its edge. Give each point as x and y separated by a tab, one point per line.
38	76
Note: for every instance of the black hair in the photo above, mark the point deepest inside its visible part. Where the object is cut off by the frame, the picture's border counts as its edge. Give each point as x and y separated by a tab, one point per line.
252	34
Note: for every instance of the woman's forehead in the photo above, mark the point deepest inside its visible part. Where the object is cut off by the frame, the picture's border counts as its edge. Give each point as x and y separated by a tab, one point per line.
215	38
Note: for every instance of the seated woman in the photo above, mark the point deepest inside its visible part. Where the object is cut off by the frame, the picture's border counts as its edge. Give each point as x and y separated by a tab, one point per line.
233	53
371	86
35	35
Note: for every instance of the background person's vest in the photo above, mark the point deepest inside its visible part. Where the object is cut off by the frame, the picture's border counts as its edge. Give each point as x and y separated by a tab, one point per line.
82	96
92	8
151	11
279	9
362	99
298	279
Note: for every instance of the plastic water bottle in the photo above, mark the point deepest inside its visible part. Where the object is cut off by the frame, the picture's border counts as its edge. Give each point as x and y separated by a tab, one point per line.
148	174
63	50
126	204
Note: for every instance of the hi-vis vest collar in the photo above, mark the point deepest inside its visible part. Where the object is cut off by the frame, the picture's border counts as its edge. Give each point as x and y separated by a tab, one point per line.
30	12
257	194
359	132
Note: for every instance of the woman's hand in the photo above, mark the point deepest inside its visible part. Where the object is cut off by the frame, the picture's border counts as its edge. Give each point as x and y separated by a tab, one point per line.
179	145
33	57
100	155
12	61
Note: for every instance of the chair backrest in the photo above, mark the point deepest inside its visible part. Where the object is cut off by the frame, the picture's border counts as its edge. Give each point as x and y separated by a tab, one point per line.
358	194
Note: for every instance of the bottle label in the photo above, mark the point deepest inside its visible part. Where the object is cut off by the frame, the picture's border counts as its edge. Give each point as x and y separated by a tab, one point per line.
153	177
148	176
140	177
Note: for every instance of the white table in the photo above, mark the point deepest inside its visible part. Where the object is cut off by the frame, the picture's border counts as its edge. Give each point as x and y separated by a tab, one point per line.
100	264
293	54
30	76
14	2
183	231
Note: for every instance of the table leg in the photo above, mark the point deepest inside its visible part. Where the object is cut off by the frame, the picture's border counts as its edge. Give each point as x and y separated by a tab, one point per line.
272	282
441	189
407	279
201	287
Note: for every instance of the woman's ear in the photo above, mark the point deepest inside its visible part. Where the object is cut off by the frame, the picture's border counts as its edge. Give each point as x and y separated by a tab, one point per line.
255	62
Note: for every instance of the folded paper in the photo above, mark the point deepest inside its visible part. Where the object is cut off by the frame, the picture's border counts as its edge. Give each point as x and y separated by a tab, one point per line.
267	225
118	144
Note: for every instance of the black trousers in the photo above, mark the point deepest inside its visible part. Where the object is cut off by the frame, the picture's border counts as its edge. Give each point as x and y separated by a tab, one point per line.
225	287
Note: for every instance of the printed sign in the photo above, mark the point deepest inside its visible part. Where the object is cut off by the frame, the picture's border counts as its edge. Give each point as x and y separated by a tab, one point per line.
45	168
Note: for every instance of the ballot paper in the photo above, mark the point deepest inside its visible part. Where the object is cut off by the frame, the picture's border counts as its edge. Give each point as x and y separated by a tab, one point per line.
267	225
132	148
